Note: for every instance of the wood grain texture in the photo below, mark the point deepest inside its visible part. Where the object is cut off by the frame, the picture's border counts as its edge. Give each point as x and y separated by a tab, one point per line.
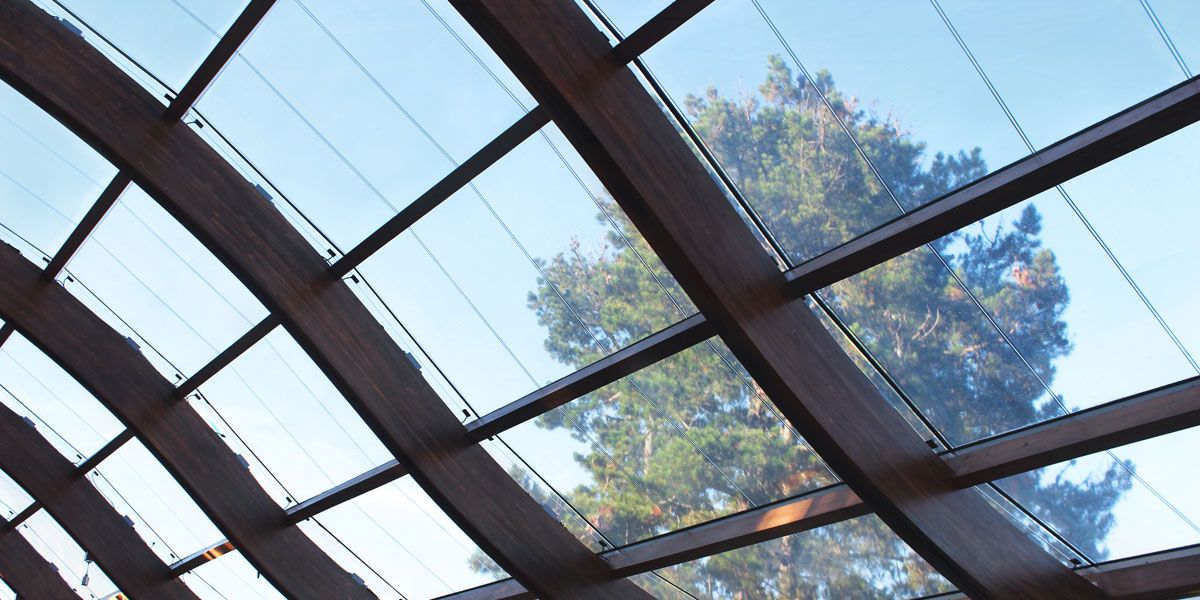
1135	418
31	461
1171	574
642	161
128	385
84	91
27	573
1107	140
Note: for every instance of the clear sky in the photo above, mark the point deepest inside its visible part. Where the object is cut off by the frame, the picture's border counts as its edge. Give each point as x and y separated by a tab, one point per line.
349	150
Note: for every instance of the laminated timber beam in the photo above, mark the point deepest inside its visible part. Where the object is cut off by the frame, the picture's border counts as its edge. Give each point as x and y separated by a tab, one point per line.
127	384
620	131
47	476
1112	138
26	572
83	90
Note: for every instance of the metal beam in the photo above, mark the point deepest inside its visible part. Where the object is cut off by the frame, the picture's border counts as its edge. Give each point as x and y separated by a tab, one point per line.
87	225
216	60
26	572
1139	417
227	356
652	174
1107	140
75	83
83	512
643	353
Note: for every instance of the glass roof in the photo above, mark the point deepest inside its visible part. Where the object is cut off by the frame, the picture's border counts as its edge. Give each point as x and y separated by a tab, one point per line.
826	127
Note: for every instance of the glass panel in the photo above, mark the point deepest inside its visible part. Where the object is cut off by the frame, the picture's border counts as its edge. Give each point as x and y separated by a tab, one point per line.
67	415
860	558
13	498
567	279
302	435
49	539
1178	19
229	577
400	543
138	487
909	117
144	273
1047	307
1132	500
170	39
628	15
48	177
406	89
684	441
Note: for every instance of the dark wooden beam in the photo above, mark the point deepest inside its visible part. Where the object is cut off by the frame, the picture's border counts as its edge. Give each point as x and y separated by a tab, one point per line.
377	477
643	353
653	175
125	382
26	572
6	332
77	85
658	27
1107	140
227	356
199	557
442	190
1170	574
221	54
505	589
35	465
24	515
87	225
1135	418
106	451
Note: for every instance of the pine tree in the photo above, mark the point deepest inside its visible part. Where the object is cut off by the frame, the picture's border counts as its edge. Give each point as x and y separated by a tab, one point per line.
692	438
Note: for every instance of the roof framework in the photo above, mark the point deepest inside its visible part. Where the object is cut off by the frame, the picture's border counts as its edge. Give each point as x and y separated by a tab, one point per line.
579	80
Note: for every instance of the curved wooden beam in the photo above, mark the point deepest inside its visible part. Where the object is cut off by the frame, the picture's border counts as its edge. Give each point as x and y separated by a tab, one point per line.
83	512
616	126
129	386
83	90
26	572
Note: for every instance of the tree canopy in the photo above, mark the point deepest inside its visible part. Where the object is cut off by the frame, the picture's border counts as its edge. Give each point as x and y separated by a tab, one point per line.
693	438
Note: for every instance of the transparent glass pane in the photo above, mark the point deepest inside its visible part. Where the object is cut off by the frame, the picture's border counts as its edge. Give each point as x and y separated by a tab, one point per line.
67	415
302	433
1178	19
564	280
1132	500
13	498
49	539
830	126
48	177
229	577
400	543
682	442
138	487
168	38
144	273
406	90
860	558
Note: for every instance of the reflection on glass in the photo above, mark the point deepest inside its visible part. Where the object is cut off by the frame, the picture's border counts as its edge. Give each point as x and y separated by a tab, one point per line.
229	577
1157	500
400	543
682	442
143	272
67	415
303	436
860	558
546	251
167	38
48	177
398	101
139	488
49	539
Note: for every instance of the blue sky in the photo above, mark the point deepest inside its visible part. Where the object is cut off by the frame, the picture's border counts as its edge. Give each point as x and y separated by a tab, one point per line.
458	281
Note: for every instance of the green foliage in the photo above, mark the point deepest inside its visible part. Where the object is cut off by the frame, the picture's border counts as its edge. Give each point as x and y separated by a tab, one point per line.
693	438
